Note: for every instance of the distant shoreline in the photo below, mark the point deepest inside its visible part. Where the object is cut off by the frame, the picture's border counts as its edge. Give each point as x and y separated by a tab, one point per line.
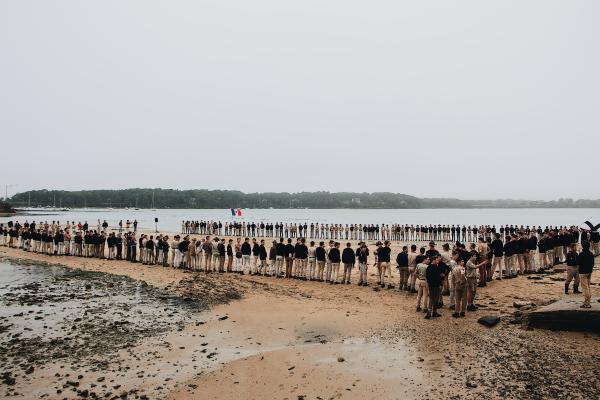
156	198
23	211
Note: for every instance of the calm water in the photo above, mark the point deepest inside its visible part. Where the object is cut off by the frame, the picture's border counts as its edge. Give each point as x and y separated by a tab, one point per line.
170	220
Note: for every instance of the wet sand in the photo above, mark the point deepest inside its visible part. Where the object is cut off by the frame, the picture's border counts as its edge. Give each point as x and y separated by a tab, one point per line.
286	339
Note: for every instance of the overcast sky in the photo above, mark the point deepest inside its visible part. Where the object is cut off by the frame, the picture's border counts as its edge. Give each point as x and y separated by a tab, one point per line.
467	99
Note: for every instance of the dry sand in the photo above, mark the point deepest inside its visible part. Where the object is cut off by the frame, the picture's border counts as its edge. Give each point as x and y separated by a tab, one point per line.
289	339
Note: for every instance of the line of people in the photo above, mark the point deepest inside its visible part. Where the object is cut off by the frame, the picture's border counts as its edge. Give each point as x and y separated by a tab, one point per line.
394	232
519	253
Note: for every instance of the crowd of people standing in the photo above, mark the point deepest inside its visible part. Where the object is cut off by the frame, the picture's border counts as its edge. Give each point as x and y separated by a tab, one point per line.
393	232
469	258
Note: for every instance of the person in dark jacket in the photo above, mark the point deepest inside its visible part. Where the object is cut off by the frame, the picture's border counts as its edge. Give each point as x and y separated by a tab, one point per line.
348	259
321	257
334	259
262	255
183	248
434	276
541	247
301	259
402	261
273	259
572	269
246	252
229	255
383	259
255	257
362	253
533	241
221	250
118	245
585	261
289	258
165	248
280	258
498	253
509	260
133	246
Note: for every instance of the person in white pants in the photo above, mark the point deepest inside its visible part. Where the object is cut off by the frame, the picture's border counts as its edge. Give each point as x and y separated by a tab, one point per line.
312	261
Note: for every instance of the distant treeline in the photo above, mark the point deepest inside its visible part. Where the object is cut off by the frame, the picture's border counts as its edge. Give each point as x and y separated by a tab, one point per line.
170	198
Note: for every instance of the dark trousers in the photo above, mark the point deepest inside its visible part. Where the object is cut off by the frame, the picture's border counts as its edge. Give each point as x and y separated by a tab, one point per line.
434	297
289	262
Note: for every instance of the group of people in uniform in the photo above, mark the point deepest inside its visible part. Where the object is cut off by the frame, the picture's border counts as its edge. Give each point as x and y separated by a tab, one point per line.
456	271
393	232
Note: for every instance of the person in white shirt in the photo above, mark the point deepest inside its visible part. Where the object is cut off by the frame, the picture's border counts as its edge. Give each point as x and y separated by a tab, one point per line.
175	251
312	261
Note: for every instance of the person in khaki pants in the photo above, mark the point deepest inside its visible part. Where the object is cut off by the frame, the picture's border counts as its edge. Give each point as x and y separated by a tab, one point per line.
349	259
402	262
423	289
207	249
335	259
229	255
572	269
498	251
321	257
412	268
585	261
459	282
472	274
289	258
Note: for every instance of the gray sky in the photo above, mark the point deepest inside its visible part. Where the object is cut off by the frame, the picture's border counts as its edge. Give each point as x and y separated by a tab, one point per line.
467	99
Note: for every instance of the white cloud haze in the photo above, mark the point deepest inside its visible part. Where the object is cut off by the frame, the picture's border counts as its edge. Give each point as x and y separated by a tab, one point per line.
466	99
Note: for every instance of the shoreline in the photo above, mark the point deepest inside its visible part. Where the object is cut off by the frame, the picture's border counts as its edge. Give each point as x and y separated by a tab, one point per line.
285	337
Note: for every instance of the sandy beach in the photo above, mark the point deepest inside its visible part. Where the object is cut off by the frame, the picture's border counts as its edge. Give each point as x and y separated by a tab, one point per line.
263	338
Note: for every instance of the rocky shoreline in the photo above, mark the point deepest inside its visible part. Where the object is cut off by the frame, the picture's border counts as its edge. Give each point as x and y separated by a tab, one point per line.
82	319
